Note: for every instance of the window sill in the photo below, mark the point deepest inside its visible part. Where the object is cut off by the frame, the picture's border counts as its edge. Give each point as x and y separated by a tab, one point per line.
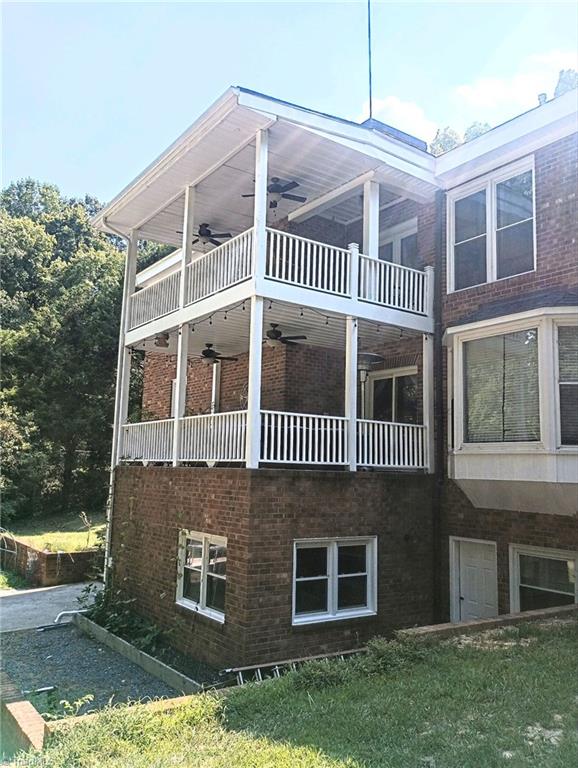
196	608
299	621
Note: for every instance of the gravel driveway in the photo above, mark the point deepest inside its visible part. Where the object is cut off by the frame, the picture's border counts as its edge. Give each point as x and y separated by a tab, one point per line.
77	666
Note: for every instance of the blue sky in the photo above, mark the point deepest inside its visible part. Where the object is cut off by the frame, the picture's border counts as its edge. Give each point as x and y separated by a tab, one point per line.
92	92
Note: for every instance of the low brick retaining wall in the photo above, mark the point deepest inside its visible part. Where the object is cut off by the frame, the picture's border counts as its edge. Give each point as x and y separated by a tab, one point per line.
26	725
47	569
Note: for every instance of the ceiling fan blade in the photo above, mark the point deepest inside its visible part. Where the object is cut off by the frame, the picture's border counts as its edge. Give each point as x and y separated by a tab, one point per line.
220	357
195	241
288	187
288	342
253	195
179	231
221	234
213	241
293	338
297	198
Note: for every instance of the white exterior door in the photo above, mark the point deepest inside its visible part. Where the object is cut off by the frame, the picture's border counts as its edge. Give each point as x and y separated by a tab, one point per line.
475	580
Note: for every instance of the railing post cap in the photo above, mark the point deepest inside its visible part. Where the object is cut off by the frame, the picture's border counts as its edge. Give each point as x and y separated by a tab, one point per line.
353	246
429	268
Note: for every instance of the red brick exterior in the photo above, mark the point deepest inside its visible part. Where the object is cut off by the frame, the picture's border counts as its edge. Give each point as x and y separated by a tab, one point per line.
47	569
261	513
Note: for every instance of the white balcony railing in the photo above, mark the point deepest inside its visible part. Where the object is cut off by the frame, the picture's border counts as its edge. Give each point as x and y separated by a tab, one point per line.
307	263
224	266
155	300
148	441
286	438
214	437
392	285
297	438
395	446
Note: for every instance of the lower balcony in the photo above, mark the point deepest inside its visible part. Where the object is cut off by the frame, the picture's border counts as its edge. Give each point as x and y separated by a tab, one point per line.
287	439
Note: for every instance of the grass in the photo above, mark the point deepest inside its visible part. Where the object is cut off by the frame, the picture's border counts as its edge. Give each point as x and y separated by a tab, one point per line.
11	580
506	698
59	533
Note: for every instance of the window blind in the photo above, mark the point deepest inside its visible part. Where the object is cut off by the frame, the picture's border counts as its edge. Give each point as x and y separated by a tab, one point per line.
501	388
568	382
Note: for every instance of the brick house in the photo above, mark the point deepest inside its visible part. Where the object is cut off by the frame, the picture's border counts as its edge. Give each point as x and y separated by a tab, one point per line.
360	398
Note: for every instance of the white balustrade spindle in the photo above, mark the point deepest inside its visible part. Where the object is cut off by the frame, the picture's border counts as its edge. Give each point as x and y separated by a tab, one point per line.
214	437
224	266
155	300
148	441
307	263
385	444
298	438
393	285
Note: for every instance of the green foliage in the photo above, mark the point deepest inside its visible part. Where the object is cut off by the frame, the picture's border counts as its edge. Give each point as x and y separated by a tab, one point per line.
444	140
567	81
476	129
11	580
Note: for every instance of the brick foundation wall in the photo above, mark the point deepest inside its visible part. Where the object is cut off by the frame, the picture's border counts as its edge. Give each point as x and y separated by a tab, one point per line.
261	512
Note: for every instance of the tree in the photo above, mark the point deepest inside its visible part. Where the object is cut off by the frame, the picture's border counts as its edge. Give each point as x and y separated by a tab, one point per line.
567	81
445	139
476	129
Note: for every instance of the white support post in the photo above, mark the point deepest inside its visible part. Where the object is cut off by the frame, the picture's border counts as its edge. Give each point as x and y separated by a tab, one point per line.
216	387
123	363
187	241
351	333
353	270
430	287
253	445
260	205
428	399
180	389
371	219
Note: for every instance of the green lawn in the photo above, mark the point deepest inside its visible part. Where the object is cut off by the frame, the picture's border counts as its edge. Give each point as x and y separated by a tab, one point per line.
507	698
59	533
11	580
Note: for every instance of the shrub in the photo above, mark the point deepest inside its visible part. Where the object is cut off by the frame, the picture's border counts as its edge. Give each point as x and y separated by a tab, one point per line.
321	673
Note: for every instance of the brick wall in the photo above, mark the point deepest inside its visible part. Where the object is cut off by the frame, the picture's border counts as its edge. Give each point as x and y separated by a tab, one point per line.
261	513
47	569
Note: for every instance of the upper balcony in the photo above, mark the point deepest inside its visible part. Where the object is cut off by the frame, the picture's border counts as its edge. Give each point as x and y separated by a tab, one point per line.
296	269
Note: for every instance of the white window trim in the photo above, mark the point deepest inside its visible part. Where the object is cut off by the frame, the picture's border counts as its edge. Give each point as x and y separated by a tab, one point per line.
391	373
545	321
455	602
488	182
526	549
556	365
185	602
333	614
395	235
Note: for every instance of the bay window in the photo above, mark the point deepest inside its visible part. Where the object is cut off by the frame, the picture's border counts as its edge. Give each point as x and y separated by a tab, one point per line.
334	579
201	577
491	227
568	383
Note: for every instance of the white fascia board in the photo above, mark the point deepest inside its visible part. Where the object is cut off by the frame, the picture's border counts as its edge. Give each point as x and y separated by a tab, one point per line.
211	117
507	142
363	139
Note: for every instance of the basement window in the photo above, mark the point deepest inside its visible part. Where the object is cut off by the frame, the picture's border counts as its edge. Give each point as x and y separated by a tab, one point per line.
201	577
334	579
541	578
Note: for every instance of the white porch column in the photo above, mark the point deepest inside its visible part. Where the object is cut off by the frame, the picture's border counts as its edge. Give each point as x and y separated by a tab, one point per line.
428	399
123	363
216	387
371	219
187	241
430	288
180	389
260	206
353	270
253	436
351	333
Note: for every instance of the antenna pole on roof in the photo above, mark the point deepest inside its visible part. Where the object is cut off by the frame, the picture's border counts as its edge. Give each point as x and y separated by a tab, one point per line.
369	58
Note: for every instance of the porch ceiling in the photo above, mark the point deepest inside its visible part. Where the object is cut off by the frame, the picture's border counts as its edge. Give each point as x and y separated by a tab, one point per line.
231	336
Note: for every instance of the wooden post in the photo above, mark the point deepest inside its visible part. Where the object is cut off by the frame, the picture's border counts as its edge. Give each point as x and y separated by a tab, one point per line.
371	219
123	363
428	399
187	241
253	445
180	389
351	334
260	206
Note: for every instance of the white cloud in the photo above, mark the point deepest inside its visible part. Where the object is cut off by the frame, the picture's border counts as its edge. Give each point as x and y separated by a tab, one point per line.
405	115
497	98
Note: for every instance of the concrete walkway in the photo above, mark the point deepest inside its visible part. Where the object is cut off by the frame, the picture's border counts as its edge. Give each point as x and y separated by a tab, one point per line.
30	608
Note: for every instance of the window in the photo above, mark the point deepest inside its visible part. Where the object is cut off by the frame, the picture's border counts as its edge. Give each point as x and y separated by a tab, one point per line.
201	578
501	388
568	383
541	578
491	228
393	396
334	579
399	245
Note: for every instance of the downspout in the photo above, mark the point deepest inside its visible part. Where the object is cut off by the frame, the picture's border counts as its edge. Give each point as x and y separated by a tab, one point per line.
438	366
110	500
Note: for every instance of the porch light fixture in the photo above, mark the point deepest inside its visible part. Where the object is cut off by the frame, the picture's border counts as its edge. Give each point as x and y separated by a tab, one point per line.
365	362
162	340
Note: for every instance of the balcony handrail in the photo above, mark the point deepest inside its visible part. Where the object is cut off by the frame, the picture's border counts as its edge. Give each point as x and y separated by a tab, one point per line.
308	415
163	301
307	240
214	280
213	437
391	444
393	285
